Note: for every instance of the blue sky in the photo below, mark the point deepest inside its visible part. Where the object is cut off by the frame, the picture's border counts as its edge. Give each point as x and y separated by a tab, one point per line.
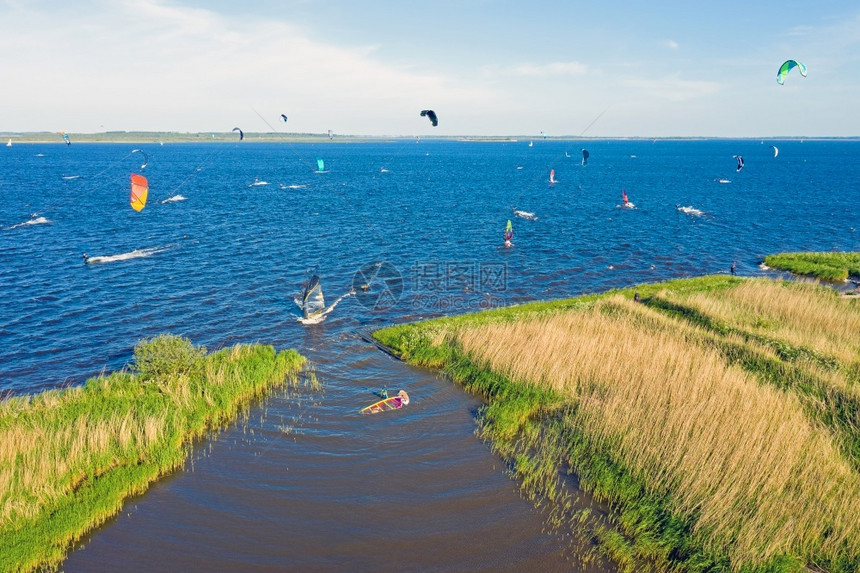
487	67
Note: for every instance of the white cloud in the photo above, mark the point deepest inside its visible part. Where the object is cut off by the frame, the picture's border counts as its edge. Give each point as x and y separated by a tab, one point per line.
154	65
671	44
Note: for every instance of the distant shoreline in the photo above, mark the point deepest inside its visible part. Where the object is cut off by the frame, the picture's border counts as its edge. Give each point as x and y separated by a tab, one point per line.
159	137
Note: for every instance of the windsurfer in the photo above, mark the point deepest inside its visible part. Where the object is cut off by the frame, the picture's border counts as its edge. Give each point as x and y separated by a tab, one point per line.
402	398
733	267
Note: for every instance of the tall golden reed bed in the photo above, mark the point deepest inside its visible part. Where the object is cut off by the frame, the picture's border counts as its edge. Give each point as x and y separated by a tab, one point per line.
740	459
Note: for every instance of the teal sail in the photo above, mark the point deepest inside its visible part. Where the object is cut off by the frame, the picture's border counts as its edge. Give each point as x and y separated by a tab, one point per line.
787	67
320	165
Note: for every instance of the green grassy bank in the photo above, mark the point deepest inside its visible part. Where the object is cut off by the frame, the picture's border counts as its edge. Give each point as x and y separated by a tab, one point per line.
719	419
68	458
824	266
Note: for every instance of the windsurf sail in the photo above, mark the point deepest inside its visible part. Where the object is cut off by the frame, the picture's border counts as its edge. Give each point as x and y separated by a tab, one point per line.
139	191
552	176
585	156
509	231
624	196
313	301
740	161
392	403
320	165
66	138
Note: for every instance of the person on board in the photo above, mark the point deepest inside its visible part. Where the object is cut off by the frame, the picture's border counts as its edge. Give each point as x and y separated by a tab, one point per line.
401	399
733	267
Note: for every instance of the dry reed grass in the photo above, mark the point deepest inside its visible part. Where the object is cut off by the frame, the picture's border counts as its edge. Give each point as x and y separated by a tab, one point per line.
801	314
737	458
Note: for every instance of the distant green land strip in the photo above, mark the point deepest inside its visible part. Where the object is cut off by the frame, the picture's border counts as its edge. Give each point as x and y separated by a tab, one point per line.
824	266
218	137
294	137
718	418
68	458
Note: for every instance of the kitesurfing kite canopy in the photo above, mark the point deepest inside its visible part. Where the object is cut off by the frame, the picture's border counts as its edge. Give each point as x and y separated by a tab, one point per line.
787	67
431	115
145	158
139	191
241	133
740	161
284	117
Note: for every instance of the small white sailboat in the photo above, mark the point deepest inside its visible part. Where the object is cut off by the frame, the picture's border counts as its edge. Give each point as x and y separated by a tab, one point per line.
9	143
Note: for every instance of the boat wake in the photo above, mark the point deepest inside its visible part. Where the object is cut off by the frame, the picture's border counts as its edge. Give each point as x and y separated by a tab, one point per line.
318	317
174	199
292	186
32	221
135	254
258	183
690	211
525	215
70	177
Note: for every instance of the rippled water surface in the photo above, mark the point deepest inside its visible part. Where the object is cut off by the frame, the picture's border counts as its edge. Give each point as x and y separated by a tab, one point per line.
305	482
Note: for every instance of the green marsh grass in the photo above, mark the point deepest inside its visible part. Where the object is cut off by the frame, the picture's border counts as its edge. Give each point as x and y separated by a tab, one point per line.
825	266
68	458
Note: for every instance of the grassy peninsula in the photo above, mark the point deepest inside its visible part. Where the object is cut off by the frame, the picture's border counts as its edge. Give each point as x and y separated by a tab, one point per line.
68	458
825	266
718	418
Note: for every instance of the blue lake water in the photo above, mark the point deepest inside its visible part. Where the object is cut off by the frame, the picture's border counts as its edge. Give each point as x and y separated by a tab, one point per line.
421	223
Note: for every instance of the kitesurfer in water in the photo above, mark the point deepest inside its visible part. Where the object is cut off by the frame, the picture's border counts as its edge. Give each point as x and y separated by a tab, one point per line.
86	258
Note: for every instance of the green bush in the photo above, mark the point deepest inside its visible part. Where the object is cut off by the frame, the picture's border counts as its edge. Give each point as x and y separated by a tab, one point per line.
166	355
